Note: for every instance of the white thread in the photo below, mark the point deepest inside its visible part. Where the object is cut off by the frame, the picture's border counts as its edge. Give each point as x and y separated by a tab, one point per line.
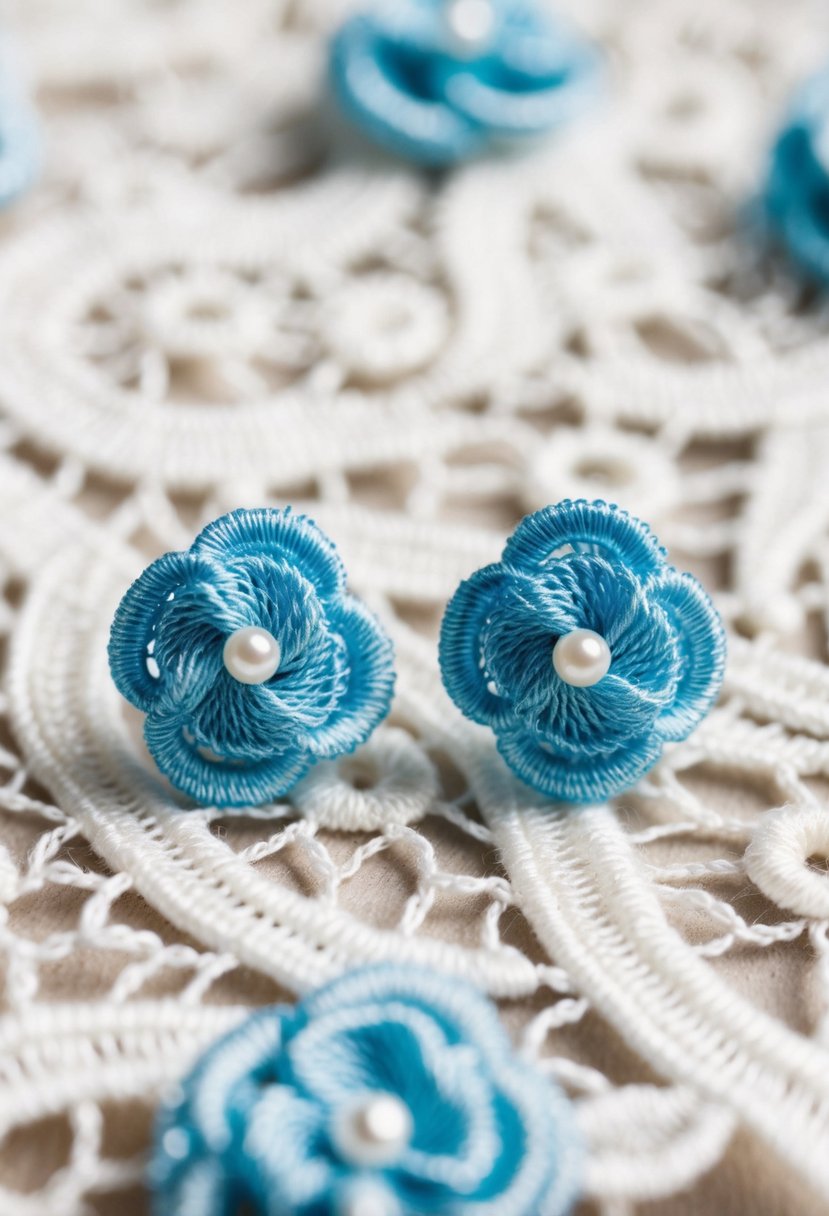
236	307
388	781
777	859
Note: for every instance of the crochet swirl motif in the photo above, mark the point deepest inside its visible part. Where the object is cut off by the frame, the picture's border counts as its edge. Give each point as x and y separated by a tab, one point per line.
439	94
582	565
259	1123
229	743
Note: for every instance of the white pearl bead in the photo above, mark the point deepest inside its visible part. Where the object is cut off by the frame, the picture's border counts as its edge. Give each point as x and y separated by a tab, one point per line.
374	1131
469	23
252	655
581	658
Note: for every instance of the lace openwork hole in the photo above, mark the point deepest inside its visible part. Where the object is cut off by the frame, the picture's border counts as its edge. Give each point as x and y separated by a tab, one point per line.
607	471
360	772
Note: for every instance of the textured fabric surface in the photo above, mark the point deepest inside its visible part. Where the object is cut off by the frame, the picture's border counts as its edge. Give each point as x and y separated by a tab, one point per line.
219	297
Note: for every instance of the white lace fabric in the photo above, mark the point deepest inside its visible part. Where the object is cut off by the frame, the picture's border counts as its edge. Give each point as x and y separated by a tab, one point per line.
218	297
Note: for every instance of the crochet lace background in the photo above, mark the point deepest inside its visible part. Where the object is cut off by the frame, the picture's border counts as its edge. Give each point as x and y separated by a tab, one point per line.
218	297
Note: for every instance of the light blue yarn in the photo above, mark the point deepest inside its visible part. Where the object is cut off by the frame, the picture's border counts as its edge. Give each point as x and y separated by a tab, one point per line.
398	76
19	132
797	189
252	1124
230	744
582	565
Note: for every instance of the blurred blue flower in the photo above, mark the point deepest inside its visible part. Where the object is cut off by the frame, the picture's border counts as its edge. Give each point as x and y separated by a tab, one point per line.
583	650
797	190
438	81
391	1091
249	658
19	133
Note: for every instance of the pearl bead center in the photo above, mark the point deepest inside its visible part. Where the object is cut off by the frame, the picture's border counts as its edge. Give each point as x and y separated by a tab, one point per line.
469	23
374	1131
581	658
252	655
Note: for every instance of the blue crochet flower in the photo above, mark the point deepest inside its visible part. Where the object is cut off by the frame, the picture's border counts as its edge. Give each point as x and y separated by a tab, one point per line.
19	136
391	1091
438	81
249	658
797	190
580	715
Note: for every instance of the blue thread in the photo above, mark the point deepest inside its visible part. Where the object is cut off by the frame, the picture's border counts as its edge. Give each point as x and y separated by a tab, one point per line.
255	1122
19	134
223	742
582	565
797	189
399	75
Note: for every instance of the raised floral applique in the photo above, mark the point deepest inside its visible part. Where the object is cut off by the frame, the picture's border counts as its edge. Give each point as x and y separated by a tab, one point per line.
439	82
583	725
249	658
391	1092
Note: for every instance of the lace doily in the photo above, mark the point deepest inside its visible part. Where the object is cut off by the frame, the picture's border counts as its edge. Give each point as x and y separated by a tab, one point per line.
219	297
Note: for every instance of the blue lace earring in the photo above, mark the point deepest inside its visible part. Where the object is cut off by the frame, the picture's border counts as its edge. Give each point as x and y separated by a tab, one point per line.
249	658
583	650
439	81
391	1090
796	203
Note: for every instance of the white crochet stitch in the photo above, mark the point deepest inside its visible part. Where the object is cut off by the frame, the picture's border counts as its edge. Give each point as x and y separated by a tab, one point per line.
214	300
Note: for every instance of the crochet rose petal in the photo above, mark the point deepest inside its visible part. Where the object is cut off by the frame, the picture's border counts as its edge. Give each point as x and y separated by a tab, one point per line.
218	782
591	527
197	1126
524	91
589	778
285	1125
369	677
244	721
192	626
582	722
368	75
277	534
460	650
131	636
700	640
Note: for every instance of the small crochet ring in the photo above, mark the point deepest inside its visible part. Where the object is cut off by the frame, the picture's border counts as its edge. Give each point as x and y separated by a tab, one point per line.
249	658
390	1091
438	81
777	859
583	650
391	781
